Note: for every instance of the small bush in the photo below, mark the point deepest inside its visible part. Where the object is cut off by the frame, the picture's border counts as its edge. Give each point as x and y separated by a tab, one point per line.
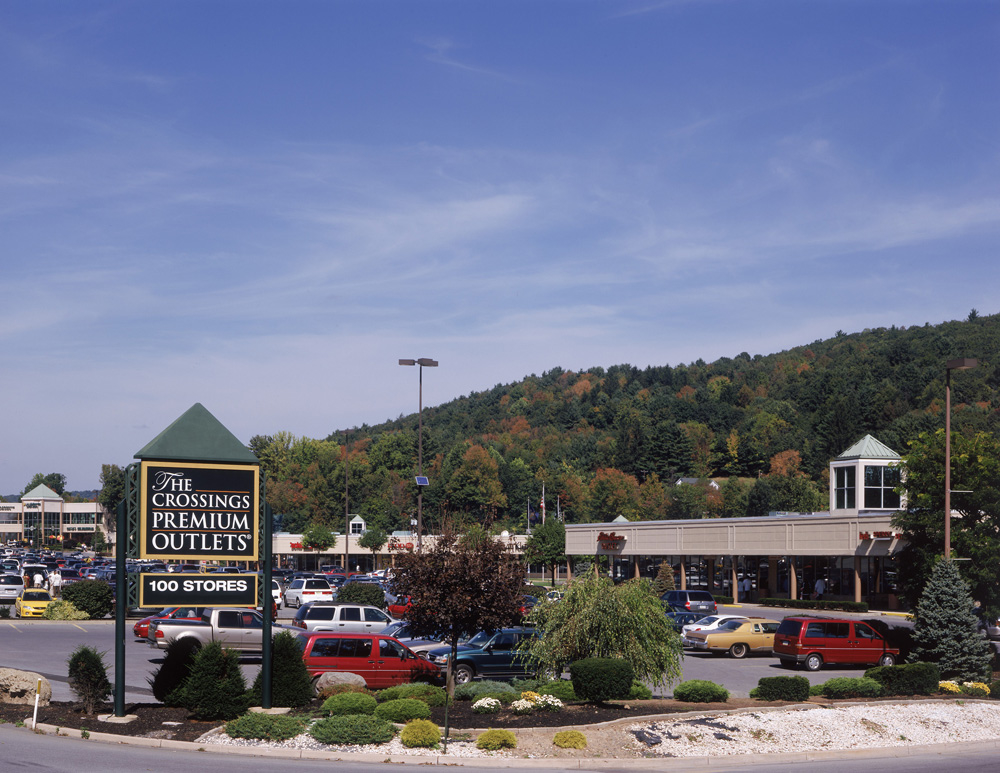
91	596
362	593
338	689
781	688
494	740
700	691
560	688
815	690
60	609
421	733
176	667
601	679
844	606
486	706
976	689
266	727
908	679
430	694
349	703
639	691
505	698
88	677
352	729
291	685
995	690
851	687
949	688
525	685
475	690
5	612
215	688
570	739
403	710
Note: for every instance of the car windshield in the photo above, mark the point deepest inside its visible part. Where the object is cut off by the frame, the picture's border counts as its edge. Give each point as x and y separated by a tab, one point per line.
732	625
707	620
479	639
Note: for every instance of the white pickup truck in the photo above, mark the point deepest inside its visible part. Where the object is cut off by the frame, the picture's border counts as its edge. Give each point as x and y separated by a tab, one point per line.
238	629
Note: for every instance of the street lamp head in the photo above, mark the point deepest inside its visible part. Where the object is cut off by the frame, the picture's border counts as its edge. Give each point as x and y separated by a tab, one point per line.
407	362
962	363
425	362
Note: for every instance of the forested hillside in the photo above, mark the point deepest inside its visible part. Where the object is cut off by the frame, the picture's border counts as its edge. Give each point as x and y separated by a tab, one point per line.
609	442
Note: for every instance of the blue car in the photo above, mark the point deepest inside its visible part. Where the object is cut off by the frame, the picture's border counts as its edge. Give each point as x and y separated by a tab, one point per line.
488	656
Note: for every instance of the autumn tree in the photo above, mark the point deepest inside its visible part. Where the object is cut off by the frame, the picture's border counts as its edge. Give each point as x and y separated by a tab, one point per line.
474	486
613	493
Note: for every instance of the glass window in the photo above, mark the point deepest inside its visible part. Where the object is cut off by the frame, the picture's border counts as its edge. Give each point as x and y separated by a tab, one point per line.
229	618
375	616
844	484
387	648
326	648
879	484
350	613
355	648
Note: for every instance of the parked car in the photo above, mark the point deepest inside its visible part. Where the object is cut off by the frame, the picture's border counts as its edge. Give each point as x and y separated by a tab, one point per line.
11	586
141	628
332	616
303	589
739	638
399	607
707	623
238	629
31	602
487	655
400	630
815	642
276	594
380	660
691	601
681	619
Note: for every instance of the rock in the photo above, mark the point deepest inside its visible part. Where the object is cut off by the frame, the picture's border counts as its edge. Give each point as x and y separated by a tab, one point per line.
647	737
339	677
19	687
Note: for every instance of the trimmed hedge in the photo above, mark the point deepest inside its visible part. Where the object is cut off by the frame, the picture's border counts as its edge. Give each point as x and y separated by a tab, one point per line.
845	606
403	710
700	691
266	727
908	679
349	703
601	679
570	739
430	694
851	687
560	688
493	740
421	733
639	691
473	691
352	729
781	688
91	596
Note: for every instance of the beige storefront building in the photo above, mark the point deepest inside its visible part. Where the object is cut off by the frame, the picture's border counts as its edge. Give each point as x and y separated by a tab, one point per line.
850	550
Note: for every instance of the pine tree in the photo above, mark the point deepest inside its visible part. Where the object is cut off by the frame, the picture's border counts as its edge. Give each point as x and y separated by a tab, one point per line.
664	579
291	685
946	630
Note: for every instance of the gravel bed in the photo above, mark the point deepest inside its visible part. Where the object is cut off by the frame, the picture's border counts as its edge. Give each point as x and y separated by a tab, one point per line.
830	728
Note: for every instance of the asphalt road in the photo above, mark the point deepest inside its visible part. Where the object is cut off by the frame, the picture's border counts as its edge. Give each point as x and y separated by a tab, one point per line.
44	646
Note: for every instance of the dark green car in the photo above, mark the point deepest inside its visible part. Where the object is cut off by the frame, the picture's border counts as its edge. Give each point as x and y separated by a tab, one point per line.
487	656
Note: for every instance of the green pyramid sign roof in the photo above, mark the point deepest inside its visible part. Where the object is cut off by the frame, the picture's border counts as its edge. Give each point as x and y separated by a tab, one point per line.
41	491
869	448
197	436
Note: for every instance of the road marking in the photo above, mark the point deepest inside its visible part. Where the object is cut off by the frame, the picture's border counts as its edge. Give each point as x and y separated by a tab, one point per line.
80	627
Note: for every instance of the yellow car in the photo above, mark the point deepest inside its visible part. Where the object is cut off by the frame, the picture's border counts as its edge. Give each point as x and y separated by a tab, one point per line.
31	602
737	637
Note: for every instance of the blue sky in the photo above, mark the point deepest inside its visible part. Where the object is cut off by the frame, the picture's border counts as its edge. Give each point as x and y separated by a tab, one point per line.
262	206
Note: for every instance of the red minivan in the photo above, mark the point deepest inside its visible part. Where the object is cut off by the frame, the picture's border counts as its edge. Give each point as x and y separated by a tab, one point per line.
380	660
813	642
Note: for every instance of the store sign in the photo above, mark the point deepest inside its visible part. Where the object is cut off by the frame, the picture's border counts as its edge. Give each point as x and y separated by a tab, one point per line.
194	511
879	535
610	541
396	544
198	590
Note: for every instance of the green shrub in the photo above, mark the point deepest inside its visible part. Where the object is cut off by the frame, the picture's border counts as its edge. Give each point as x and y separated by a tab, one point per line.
570	739
430	694
338	689
844	606
639	691
505	698
976	689
403	710
851	687
908	679
781	688
175	668
215	688
494	740
88	677
995	690
421	733
560	688
700	691
91	596
525	685
349	703
473	691
601	679
60	609
4	611
291	685
362	593
352	729
266	727
815	690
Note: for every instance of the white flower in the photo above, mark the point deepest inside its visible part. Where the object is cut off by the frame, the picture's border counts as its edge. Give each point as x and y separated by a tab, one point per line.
486	706
550	702
522	707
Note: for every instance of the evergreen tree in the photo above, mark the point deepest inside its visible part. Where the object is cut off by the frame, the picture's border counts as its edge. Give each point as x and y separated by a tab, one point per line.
946	629
291	685
664	579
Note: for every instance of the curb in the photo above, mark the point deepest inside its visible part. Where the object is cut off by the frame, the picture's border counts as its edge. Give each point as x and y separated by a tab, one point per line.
580	763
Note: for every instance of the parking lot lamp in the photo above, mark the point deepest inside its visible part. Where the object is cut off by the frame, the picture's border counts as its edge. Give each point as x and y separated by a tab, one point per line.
963	363
422	362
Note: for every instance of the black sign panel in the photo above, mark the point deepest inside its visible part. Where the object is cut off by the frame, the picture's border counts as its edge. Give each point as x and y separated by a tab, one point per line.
195	511
197	590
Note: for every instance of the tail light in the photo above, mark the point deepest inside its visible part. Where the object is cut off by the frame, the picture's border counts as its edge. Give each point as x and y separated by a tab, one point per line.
299	623
158	634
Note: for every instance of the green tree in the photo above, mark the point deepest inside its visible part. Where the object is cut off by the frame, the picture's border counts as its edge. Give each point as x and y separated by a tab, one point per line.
318	537
112	488
664	580
54	480
598	619
945	629
547	545
373	539
975	525
474	487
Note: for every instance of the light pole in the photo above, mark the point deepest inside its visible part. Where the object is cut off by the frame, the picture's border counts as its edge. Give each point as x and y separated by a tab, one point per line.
347	504
963	363
423	362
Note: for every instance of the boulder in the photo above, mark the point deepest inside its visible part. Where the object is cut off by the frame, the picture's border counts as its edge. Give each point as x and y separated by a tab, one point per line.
19	687
331	678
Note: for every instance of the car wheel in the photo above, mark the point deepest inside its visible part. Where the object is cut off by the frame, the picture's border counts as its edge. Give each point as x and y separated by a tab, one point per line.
464	673
814	662
738	651
887	660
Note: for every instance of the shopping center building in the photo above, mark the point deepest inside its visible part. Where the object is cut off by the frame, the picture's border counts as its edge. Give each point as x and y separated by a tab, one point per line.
852	548
42	518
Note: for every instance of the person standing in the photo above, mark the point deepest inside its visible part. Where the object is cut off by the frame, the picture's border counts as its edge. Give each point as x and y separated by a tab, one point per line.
55	583
38	580
819	589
